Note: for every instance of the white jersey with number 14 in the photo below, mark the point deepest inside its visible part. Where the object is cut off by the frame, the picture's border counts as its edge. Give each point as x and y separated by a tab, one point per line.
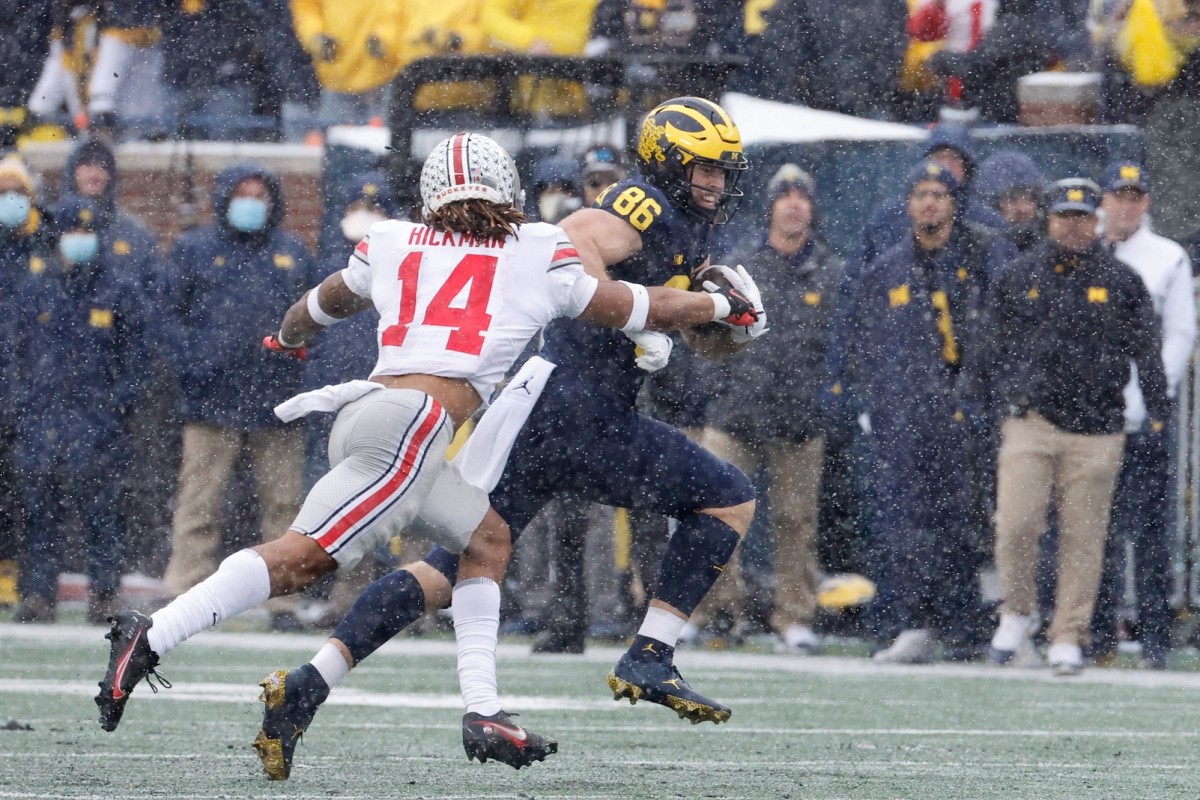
459	308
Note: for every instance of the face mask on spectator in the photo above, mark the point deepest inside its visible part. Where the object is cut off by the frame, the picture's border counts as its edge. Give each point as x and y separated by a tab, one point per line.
247	214
78	248
356	224
14	209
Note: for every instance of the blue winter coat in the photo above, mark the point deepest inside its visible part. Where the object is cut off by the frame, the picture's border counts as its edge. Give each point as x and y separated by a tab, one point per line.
223	291
910	324
22	251
78	357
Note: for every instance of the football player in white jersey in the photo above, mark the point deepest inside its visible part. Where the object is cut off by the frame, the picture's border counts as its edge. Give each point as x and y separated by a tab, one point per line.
459	296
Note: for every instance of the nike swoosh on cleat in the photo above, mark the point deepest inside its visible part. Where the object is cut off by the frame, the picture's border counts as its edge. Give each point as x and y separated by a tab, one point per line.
118	693
516	734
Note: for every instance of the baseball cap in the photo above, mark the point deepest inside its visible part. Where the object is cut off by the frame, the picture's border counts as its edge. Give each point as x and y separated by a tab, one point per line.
1126	175
1074	194
601	158
789	177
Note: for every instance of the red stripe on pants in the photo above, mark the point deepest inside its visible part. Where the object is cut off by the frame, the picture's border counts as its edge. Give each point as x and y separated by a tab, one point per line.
393	484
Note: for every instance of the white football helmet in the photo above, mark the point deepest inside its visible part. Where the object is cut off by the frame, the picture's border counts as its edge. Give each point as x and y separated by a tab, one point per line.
470	165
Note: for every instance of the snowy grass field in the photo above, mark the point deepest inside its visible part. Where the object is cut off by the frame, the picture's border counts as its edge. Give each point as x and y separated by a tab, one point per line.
818	729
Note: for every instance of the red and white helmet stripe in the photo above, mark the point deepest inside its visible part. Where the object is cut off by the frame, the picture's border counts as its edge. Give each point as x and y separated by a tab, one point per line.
469	165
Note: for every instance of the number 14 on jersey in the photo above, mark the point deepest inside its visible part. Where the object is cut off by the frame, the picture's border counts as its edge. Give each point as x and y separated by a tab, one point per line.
475	272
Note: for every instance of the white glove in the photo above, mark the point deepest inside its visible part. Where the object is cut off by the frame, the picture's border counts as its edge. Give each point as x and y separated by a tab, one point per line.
653	349
747	287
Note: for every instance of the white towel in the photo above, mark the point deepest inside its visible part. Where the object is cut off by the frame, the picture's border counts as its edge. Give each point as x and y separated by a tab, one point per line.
327	399
481	460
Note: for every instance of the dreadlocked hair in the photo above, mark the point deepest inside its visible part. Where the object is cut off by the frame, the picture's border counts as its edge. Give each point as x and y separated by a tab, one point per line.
481	219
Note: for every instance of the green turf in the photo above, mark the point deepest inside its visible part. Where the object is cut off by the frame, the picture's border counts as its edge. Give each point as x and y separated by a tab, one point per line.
819	728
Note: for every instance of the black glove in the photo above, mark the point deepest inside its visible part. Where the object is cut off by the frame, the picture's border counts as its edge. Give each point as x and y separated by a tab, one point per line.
324	47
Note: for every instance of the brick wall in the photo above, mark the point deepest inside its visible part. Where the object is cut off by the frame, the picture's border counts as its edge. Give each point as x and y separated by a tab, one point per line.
153	184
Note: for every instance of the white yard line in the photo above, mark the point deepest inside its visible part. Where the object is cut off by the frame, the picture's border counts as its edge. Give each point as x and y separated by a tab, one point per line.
733	664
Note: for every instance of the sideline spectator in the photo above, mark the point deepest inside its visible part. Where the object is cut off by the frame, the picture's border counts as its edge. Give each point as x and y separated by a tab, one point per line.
1140	512
24	248
131	252
556	189
1059	330
950	146
600	167
1012	184
911	319
226	282
78	354
783	429
91	172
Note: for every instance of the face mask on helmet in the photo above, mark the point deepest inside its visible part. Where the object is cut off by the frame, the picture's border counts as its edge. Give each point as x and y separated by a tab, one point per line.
684	132
14	209
466	166
78	247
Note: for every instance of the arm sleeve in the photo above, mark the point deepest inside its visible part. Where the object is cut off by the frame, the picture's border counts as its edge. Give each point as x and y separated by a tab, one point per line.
357	273
1178	324
569	286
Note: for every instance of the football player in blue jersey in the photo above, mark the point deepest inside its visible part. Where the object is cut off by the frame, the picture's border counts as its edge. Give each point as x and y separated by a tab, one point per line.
585	438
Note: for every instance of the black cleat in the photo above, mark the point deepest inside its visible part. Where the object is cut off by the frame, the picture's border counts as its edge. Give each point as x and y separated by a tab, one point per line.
498	737
659	682
130	659
290	700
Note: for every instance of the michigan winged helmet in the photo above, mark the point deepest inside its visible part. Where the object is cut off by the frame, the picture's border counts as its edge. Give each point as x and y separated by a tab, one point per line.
685	131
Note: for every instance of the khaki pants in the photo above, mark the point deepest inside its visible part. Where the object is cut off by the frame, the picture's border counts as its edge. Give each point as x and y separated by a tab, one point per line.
209	454
795	492
1037	458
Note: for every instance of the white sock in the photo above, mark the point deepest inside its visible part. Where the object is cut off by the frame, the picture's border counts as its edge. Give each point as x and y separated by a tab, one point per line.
476	610
332	665
662	626
240	582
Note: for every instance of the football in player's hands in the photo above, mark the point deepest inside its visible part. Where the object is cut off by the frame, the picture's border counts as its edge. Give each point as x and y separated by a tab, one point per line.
727	284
